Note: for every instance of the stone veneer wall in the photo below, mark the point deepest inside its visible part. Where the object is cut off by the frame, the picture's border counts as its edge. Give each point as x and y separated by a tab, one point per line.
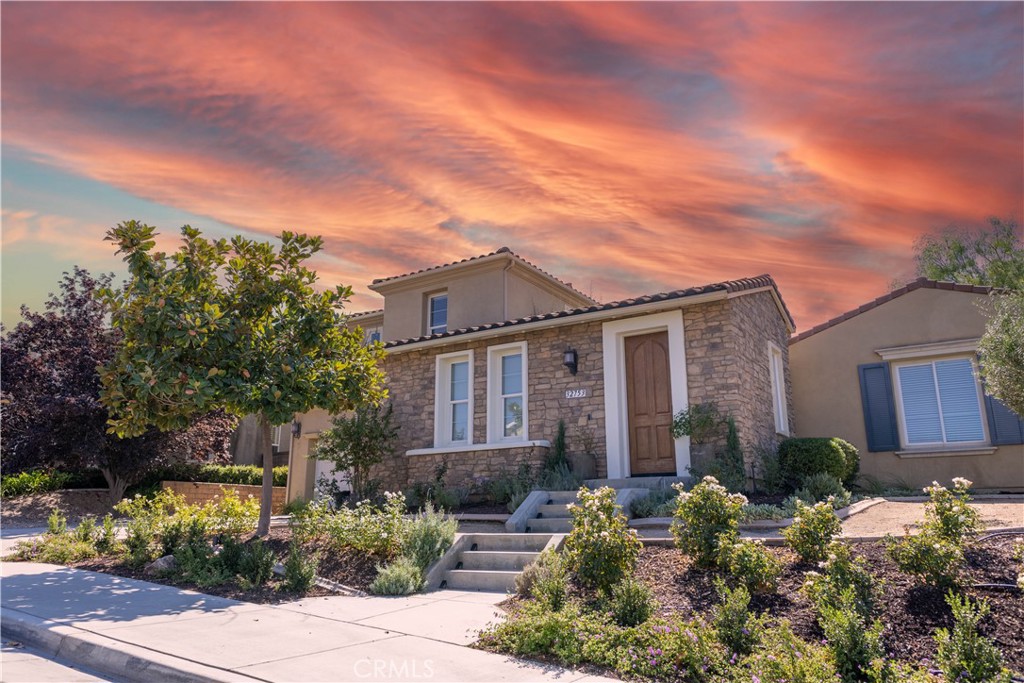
727	362
411	389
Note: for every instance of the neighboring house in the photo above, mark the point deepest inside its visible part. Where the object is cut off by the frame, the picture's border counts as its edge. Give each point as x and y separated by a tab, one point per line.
485	356
898	379
245	443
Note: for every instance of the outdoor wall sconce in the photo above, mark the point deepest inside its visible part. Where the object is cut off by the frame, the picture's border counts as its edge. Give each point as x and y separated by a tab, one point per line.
296	429
570	360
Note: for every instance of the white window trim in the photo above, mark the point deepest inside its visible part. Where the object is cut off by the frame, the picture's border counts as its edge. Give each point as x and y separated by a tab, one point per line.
275	437
495	406
923	351
613	335
442	404
430	301
777	378
479	447
937	446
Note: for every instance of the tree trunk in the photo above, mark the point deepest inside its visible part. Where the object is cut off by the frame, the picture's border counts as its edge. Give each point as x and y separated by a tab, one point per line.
117	486
267	499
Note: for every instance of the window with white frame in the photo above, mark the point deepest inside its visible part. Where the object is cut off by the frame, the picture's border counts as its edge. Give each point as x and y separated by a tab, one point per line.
275	437
506	393
437	313
777	370
372	335
939	402
454	399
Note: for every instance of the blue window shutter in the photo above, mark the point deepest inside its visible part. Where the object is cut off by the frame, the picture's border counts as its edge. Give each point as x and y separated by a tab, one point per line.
1004	426
879	407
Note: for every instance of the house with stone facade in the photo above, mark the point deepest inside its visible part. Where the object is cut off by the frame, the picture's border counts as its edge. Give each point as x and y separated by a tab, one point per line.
897	377
485	356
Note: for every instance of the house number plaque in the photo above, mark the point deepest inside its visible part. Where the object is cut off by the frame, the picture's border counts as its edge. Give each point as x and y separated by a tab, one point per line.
575	393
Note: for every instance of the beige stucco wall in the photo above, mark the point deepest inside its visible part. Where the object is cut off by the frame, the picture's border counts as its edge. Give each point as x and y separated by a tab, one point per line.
302	469
826	386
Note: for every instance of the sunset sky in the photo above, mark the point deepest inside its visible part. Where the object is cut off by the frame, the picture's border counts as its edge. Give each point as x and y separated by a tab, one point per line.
627	148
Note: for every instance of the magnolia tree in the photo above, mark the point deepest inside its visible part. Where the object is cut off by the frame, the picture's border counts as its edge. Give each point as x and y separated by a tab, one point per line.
237	325
52	415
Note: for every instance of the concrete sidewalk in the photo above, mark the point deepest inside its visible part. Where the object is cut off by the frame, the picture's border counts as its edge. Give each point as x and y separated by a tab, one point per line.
142	631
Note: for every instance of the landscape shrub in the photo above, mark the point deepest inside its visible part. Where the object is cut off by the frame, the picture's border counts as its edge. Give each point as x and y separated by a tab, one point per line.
299	569
801	457
401	577
842	571
823	486
768	468
885	670
209	473
379	530
853	642
936	555
545	580
429	536
533	629
760	511
948	512
1018	554
106	535
812	531
62	548
196	562
231	515
601	549
752	564
963	654
632	602
727	465
230	555
437	492
31	482
654	503
86	531
782	656
702	422
256	565
935	560
706	519
56	523
737	628
505	487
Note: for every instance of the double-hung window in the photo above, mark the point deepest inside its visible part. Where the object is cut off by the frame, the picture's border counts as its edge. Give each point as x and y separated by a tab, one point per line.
437	313
939	403
507	418
453	424
776	369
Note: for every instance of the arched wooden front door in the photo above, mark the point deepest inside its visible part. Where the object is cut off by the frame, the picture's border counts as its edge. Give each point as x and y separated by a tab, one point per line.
649	404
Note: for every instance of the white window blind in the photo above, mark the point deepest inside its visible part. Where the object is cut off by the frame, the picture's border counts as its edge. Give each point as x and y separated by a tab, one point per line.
940	402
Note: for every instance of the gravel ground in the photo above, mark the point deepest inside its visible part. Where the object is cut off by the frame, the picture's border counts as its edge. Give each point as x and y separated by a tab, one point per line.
894	515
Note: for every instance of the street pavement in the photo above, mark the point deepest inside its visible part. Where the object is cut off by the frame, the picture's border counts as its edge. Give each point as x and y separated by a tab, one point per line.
19	664
143	631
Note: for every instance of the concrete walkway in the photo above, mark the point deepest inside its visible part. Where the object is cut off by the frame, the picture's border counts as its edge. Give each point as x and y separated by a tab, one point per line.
136	630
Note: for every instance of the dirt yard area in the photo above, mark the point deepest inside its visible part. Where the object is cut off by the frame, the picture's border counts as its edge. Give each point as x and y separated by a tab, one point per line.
32	510
895	515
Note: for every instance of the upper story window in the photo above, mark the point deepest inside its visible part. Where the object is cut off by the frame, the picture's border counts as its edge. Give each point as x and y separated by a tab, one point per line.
939	403
437	313
776	369
453	419
506	393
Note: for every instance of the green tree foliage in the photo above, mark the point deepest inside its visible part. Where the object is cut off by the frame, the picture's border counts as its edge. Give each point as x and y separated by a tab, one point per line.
237	325
52	415
993	257
1002	352
356	442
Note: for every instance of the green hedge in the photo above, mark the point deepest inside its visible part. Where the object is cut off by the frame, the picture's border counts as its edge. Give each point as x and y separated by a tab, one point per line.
246	475
800	458
41	481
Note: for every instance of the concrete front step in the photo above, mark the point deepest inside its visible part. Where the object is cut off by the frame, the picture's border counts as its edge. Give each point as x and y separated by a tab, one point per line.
507	542
549	526
554	511
477	580
563	497
495	560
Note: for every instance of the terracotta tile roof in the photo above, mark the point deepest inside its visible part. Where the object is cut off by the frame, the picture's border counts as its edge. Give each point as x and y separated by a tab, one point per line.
920	283
728	286
500	250
365	314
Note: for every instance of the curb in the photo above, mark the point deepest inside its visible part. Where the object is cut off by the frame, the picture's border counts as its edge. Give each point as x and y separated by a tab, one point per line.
104	655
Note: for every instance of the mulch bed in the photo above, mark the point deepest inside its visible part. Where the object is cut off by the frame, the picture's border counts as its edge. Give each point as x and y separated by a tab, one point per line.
348	567
911	612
